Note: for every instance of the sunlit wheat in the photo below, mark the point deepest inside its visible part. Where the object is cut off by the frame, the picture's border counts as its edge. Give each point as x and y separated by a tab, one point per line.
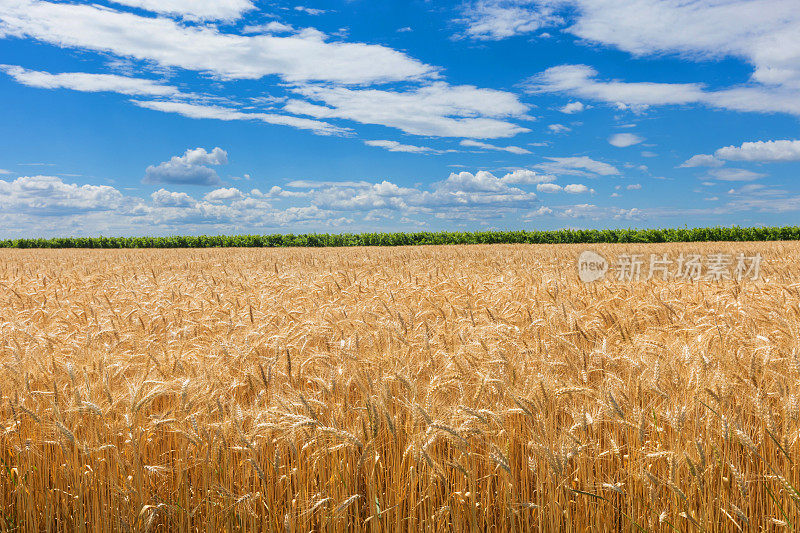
395	389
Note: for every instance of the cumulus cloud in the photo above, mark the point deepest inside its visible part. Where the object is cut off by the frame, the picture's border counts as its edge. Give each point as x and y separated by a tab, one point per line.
482	181
463	190
595	212
623	140
542	211
49	195
526	177
576	188
89	209
165	198
199	156
188	169
55	207
761	151
486	146
573	107
224	195
755	152
548	187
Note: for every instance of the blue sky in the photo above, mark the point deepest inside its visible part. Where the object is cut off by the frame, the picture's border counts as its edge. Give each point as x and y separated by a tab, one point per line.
157	117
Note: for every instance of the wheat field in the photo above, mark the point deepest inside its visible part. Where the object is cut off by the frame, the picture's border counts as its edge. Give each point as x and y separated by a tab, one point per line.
473	388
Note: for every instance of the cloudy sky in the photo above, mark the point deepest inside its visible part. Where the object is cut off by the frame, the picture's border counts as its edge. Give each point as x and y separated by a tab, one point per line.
154	117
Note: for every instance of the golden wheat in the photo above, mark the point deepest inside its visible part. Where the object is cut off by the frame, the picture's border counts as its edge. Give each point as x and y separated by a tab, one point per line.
405	389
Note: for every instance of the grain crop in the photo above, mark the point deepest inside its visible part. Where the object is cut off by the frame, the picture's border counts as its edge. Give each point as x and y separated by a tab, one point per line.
433	388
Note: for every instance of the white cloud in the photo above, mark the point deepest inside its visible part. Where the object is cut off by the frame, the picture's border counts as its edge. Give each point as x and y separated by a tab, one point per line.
499	19
226	113
758	197
394	146
50	196
270	27
464	191
761	151
223	195
199	156
315	184
295	58
140	87
735	174
548	187
596	212
752	189
438	109
634	187
188	169
526	177
573	107
757	152
165	198
576	188
702	160
623	140
310	10
579	80
487	146
542	211
481	181
57	208
80	81
762	32
228	10
757	99
558	128
578	166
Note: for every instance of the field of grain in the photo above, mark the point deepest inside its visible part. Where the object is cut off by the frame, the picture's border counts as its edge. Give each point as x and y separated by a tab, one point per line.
395	389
